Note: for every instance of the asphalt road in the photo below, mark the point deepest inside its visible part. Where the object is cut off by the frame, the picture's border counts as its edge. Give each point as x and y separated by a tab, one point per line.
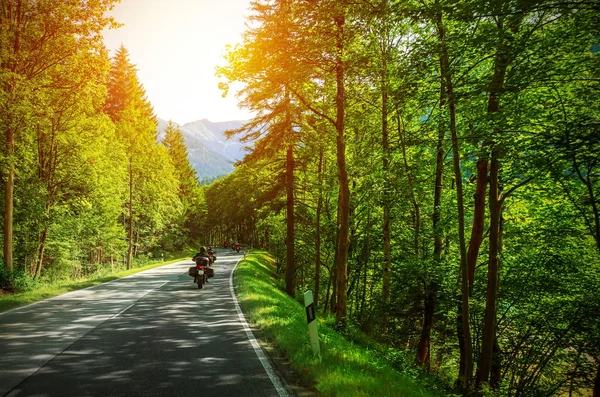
151	334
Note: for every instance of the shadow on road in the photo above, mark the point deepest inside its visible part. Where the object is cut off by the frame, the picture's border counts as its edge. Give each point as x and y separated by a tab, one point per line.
153	335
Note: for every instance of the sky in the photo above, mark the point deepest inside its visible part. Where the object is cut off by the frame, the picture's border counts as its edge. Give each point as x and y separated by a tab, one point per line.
176	45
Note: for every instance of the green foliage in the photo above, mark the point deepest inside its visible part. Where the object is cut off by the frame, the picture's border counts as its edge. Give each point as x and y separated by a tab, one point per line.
30	290
16	281
524	83
344	368
80	136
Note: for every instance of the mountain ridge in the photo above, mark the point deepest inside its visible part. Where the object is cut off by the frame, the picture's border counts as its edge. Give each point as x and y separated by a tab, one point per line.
209	152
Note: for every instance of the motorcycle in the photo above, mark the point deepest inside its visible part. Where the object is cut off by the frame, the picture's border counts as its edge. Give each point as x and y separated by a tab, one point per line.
212	256
200	271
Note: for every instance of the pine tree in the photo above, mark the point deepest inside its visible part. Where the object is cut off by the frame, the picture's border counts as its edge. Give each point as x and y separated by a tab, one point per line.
189	192
134	118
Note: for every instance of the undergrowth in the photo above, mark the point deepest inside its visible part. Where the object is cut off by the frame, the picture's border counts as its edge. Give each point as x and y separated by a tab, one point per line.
346	367
24	289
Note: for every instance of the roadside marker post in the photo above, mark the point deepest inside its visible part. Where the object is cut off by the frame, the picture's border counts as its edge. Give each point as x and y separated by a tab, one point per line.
311	319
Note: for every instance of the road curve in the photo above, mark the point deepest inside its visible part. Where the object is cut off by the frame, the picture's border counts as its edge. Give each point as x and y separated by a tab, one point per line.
150	334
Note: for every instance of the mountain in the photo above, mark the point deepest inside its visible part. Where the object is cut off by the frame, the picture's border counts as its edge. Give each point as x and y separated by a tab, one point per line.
210	154
212	135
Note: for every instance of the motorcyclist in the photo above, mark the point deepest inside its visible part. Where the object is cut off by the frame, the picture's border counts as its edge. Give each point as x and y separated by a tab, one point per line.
212	255
202	258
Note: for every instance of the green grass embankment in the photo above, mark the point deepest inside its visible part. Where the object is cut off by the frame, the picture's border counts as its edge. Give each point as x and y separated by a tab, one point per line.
10	301
344	368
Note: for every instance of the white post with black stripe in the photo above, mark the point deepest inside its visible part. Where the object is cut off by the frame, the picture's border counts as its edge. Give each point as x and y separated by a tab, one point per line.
311	319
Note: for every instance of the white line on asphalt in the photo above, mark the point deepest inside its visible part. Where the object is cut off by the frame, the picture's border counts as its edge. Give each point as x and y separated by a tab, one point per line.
124	310
57	297
261	355
13	393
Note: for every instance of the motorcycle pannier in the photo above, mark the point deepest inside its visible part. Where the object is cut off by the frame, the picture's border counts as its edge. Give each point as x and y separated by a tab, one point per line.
192	271
210	272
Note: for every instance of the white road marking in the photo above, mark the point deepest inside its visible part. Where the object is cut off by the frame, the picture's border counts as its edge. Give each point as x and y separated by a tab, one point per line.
58	297
261	355
13	393
123	311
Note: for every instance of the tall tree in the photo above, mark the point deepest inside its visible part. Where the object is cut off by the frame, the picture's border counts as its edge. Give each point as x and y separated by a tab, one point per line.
265	64
37	37
135	122
189	191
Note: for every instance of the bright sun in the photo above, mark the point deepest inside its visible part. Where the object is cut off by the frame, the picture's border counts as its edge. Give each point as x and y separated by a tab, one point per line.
176	45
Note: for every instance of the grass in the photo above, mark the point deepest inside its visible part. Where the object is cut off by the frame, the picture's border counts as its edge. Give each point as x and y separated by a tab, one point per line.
344	367
10	301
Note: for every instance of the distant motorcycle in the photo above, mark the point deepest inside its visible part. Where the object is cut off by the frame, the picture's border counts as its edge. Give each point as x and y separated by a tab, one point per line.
212	256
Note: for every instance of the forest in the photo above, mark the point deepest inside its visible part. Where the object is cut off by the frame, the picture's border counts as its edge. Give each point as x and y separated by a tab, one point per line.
431	170
86	186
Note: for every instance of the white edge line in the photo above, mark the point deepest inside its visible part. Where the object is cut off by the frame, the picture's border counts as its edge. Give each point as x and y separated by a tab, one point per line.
257	349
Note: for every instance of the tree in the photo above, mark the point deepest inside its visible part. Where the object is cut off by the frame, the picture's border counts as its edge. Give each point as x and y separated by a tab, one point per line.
152	184
36	38
189	192
266	65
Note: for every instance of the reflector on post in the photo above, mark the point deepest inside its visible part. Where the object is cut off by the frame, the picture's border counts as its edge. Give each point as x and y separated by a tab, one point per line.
311	318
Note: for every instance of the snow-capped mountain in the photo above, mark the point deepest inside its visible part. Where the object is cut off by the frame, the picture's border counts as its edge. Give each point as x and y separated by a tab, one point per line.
209	152
212	135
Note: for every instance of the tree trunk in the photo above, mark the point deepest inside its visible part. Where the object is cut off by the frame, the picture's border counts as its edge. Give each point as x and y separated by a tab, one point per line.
439	174
430	298
478	216
387	247
489	320
344	237
411	184
496	369
592	197
466	328
366	268
41	248
290	268
333	303
424	348
9	188
464	377
318	231
136	246
501	63
9	177
130	235
333	272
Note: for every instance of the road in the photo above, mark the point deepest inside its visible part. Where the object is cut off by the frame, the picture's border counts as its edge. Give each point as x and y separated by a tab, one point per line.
151	334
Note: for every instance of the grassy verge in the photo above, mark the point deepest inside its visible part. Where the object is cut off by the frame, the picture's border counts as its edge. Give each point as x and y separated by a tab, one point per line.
10	301
344	368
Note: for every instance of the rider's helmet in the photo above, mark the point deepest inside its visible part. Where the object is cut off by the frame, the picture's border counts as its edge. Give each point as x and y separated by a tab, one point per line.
203	250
